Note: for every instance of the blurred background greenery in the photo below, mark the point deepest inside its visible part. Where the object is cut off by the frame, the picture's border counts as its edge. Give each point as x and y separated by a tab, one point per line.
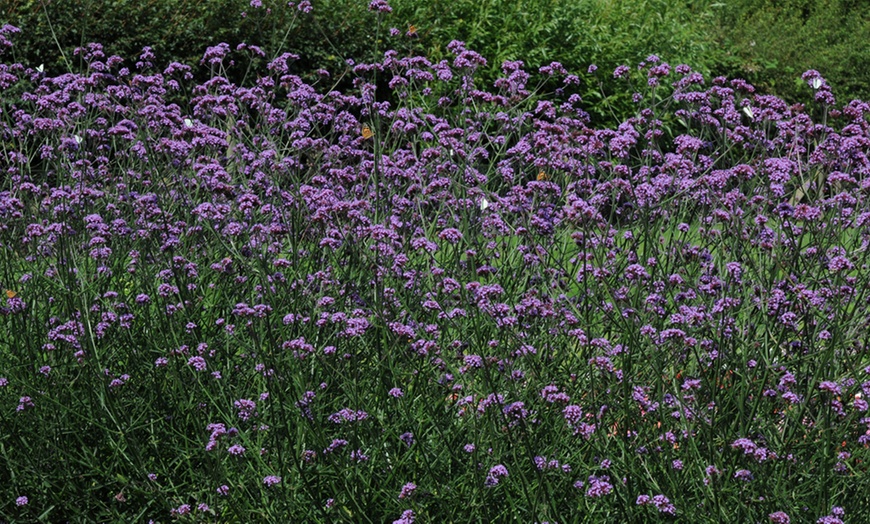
767	42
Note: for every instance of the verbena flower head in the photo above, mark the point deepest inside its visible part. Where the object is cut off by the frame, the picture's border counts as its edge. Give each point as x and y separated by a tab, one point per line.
181	510
407	517
407	490
271	480
496	473
779	517
598	486
380	6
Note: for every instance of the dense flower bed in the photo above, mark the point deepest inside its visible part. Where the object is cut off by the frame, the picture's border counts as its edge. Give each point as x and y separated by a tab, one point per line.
428	301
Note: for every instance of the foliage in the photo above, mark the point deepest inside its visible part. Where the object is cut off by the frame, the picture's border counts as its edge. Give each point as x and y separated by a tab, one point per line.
576	34
257	302
771	43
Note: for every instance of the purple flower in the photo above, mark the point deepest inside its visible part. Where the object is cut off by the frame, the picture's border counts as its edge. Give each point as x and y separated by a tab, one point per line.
831	387
744	444
839	263
779	517
552	394
381	6
451	235
691	383
335	445
407	517
498	471
246	408
183	509
396	393
599	486
348	415
236	449
515	410
573	414
21	501
664	505
473	361
214	55
743	474
198	363
495	474
24	403
271	480
407	490
223	490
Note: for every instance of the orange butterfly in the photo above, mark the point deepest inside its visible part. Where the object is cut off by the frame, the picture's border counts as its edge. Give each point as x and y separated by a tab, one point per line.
367	132
11	294
542	176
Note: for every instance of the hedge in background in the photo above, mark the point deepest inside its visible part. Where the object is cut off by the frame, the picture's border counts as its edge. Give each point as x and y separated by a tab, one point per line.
771	43
767	43
535	31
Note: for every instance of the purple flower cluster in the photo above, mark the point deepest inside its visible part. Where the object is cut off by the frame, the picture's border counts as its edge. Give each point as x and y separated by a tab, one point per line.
495	475
660	502
598	486
476	271
407	490
271	480
348	415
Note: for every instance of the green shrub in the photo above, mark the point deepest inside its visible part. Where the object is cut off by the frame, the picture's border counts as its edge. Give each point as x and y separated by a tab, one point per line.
577	34
772	43
768	43
51	30
182	30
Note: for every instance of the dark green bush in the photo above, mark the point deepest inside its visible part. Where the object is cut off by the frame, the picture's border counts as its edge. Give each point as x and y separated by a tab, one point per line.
768	43
174	28
577	34
181	30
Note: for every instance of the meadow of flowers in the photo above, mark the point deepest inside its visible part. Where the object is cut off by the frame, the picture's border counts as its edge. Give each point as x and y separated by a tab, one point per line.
427	300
